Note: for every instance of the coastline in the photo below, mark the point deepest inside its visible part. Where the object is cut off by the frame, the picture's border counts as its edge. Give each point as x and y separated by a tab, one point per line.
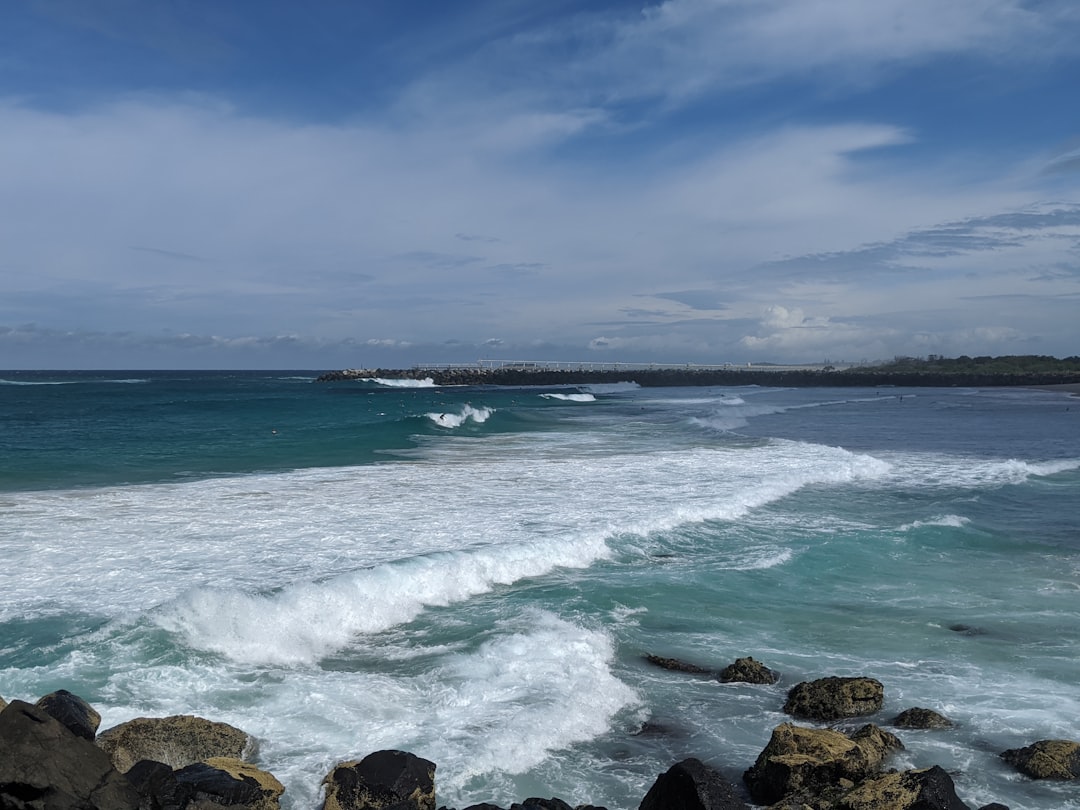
690	376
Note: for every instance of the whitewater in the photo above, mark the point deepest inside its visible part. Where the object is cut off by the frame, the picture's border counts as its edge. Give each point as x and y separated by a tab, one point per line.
476	574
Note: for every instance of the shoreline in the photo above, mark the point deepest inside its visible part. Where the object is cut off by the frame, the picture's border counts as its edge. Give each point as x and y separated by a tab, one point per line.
657	378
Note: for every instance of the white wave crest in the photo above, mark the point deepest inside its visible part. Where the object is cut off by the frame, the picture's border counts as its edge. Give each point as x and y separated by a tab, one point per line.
427	382
303	622
571	397
467	414
951	521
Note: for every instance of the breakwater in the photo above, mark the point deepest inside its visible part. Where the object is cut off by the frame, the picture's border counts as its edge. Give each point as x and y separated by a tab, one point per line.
701	376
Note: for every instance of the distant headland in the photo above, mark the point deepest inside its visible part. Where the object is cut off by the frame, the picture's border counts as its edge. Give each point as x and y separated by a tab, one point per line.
932	371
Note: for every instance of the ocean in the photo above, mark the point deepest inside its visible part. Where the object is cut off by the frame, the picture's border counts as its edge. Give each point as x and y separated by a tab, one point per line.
476	574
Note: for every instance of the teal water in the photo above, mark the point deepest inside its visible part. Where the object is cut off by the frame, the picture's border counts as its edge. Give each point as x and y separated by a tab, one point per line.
475	574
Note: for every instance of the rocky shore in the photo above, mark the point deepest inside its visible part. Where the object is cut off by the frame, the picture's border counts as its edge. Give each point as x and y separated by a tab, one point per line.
691	376
52	757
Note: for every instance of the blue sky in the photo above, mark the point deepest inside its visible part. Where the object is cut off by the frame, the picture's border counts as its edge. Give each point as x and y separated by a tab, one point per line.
272	184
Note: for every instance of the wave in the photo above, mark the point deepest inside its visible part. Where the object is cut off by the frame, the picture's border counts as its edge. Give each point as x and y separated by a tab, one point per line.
967	473
571	397
950	521
467	414
133	381
427	382
304	622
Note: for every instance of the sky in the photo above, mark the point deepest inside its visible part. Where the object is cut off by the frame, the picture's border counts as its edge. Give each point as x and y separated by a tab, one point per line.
385	183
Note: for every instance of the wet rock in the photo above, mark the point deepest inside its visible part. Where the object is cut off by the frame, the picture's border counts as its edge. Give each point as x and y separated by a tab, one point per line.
3	704
927	789
675	665
177	741
811	761
74	713
1046	759
921	718
44	765
994	806
747	670
829	699
229	782
967	630
692	785
541	804
158	787
385	780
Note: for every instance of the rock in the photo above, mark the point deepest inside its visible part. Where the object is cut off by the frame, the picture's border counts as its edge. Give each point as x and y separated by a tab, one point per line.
44	765
177	741
747	670
829	699
675	665
928	789
921	718
385	780
158	787
1046	759
810	761
542	804
78	716
994	806
229	782
3	704
691	785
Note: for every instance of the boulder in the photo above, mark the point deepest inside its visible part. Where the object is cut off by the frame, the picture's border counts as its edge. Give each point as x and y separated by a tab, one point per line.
158	787
229	782
3	704
44	765
1046	759
994	806
675	665
747	670
541	804
78	716
177	741
692	785
927	789
828	699
811	761
921	718
385	780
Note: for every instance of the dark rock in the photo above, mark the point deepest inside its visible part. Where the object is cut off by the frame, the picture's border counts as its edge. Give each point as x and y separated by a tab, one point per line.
158	787
44	765
483	806
928	789
812	761
967	630
177	741
228	782
385	780
921	718
1046	759
994	806
542	804
78	716
691	785
675	665
747	670
651	728
829	699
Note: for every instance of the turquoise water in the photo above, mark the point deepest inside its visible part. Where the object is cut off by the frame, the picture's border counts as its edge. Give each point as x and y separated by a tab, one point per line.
475	574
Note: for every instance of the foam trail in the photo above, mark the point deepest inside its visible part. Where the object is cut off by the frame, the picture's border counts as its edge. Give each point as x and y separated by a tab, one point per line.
951	521
427	382
468	413
571	397
304	622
